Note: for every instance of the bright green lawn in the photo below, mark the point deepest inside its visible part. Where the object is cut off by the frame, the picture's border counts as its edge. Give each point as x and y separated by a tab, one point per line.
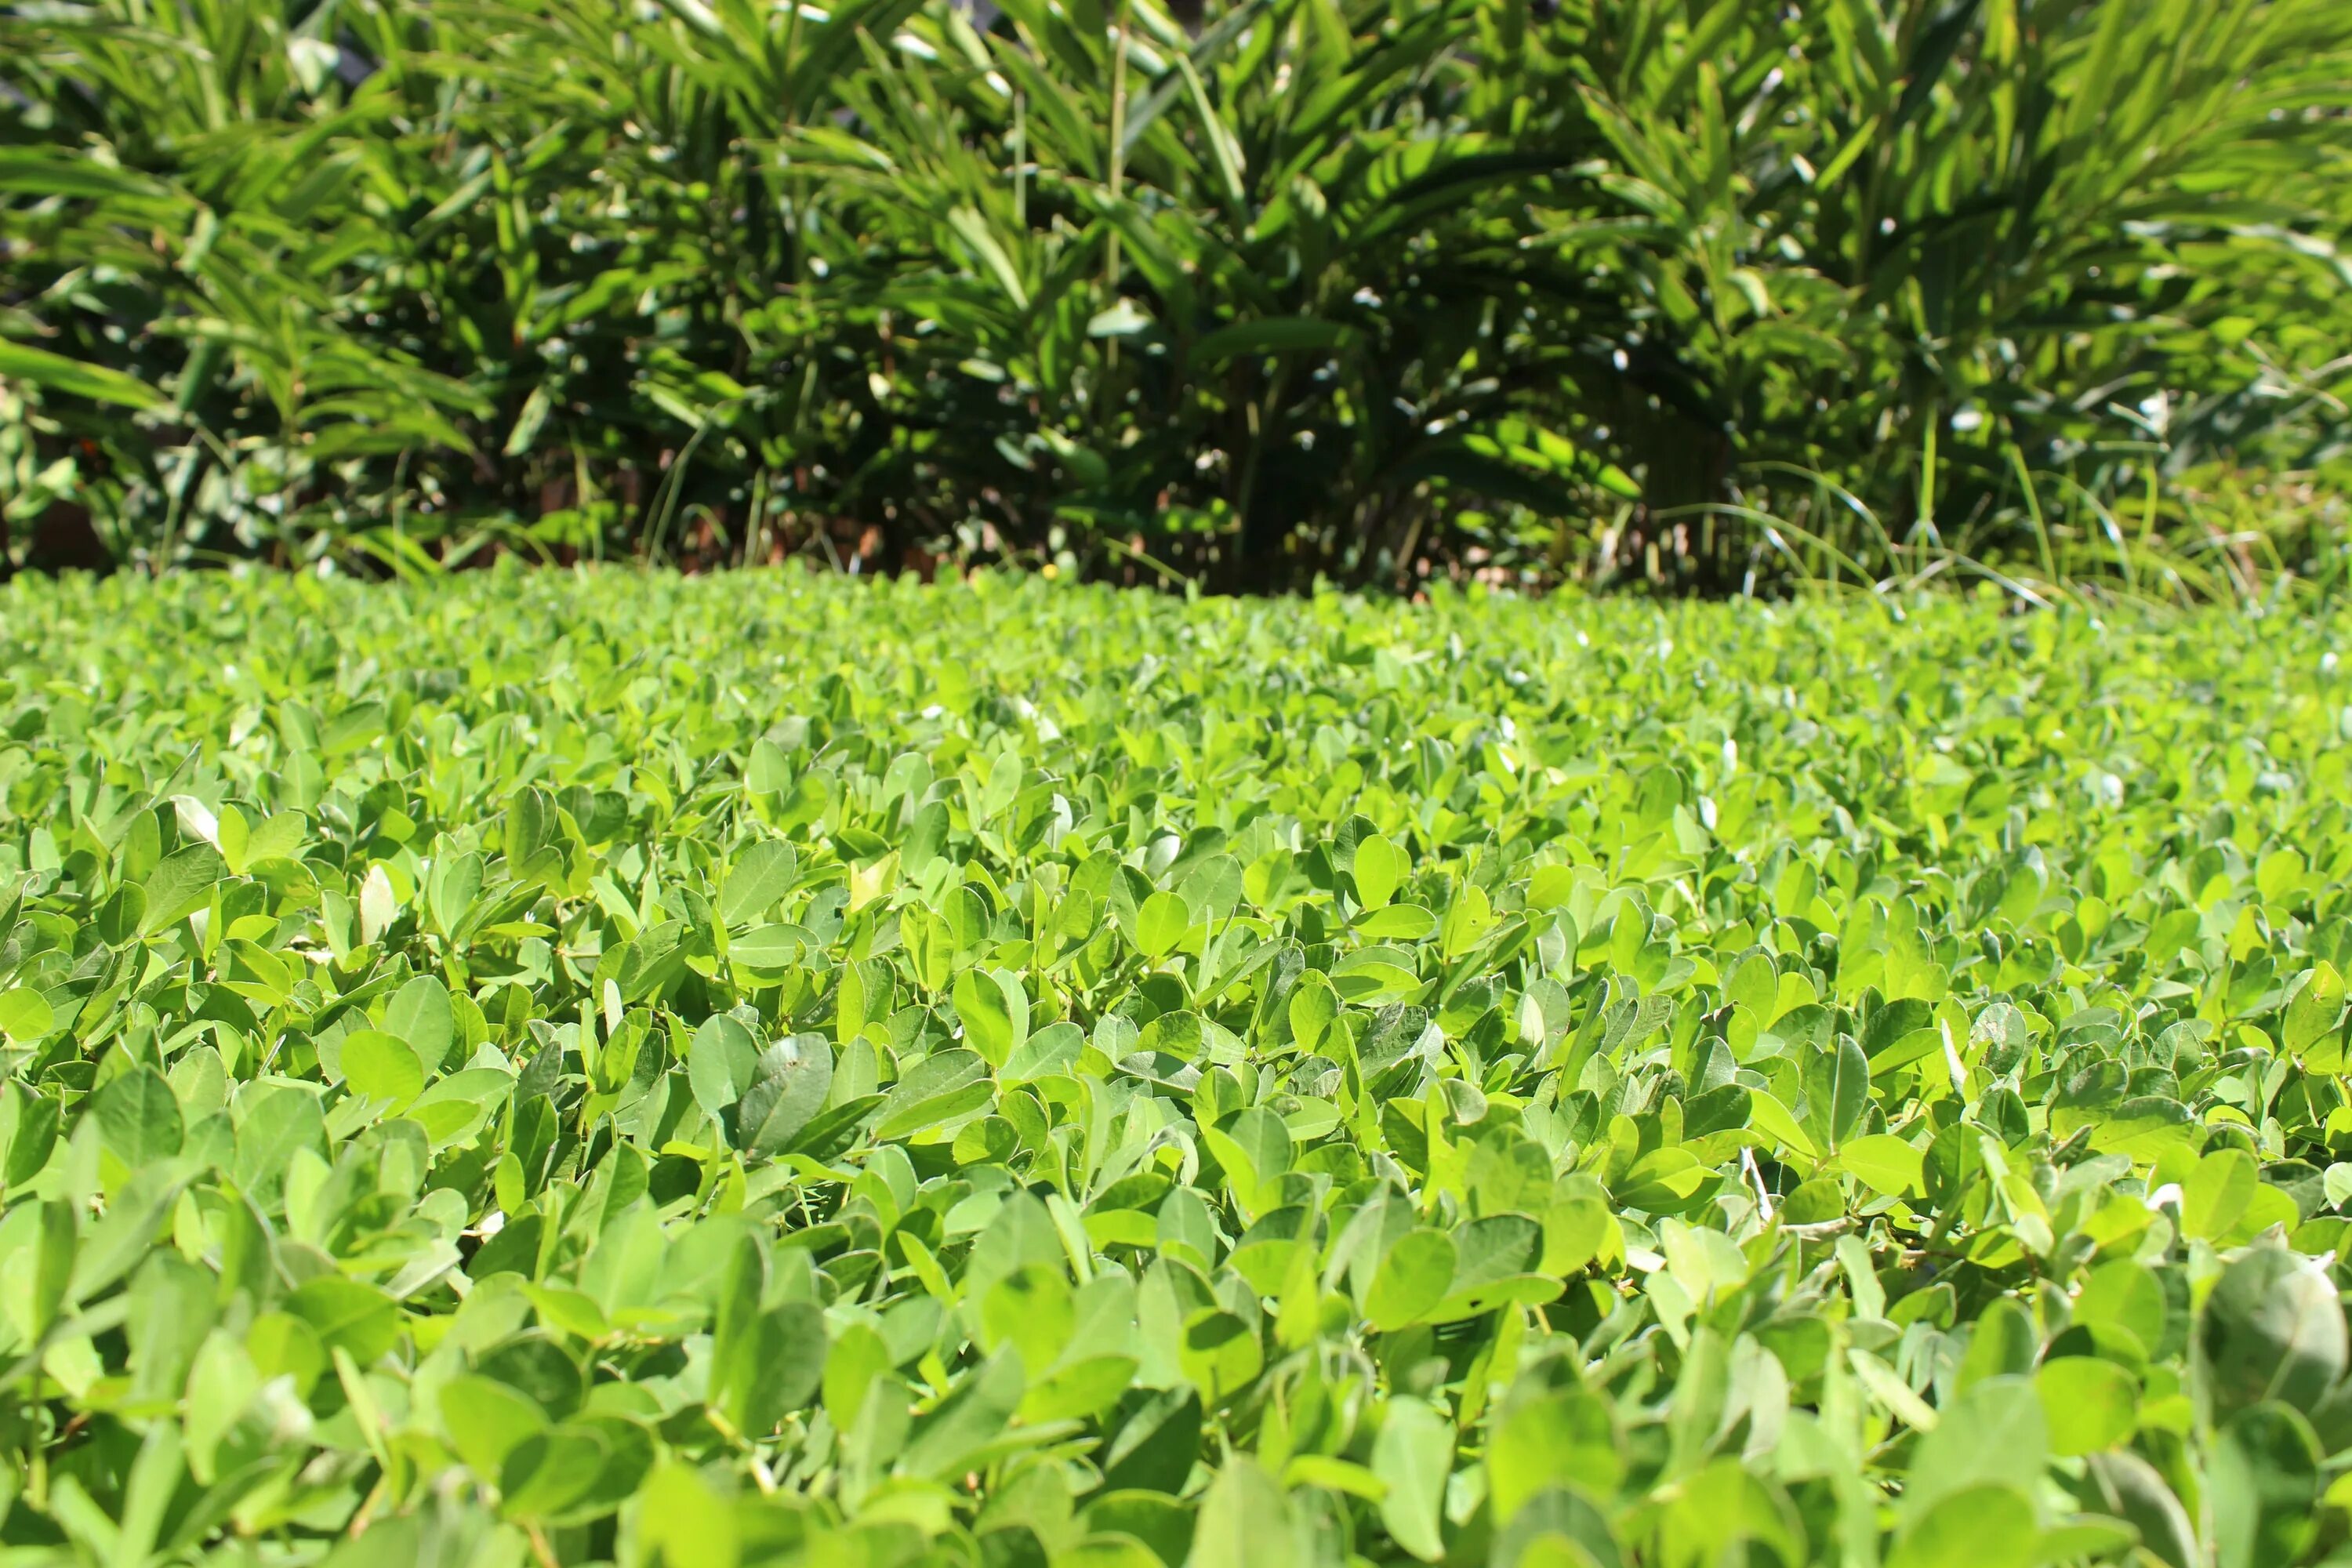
783	1071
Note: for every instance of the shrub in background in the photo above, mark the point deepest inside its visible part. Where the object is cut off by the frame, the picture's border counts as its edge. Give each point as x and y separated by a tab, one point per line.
1707	292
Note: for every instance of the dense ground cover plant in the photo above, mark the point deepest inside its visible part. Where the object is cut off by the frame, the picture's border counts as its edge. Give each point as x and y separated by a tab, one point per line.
1697	290
776	1070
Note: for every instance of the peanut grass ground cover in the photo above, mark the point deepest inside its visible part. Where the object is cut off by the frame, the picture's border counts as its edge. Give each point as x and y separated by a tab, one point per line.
787	1070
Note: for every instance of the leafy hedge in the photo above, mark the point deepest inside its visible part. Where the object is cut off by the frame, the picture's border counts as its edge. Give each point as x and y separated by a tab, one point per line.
1704	290
770	1070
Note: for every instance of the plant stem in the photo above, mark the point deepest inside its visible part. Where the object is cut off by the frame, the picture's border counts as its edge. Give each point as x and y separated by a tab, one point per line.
1117	153
1927	470
1021	160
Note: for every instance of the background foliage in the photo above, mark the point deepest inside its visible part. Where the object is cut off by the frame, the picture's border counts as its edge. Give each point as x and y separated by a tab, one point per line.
1100	1081
1697	291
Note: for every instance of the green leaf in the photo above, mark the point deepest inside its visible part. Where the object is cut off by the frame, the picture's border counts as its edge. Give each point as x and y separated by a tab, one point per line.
33	1138
2216	1193
139	1117
1413	1455
549	1471
487	1421
1160	924
788	1087
2273	1330
1992	1434
1776	1122
381	1067
420	1014
939	1089
2315	1011
1891	1026
25	1014
773	1367
1220	1355
2131	1489
56	171
760	878
2003	1342
1553	1439
127	1233
973	229
721	1062
2264	1481
1411	1281
1837	1088
1884	1164
769	946
2091	1404
1245	1520
55	373
181	886
1381	867
995	1010
348	1315
1990	1525
970	1419
2126	1296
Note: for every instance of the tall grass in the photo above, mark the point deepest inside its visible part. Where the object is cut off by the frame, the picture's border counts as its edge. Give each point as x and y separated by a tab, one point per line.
1699	292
